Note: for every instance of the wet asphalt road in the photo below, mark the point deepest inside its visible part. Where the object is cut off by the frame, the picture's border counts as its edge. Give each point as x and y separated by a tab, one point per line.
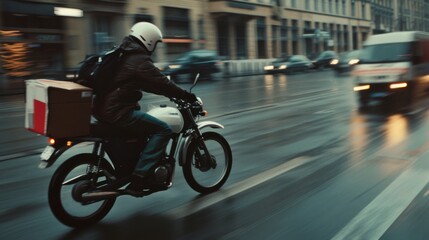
307	165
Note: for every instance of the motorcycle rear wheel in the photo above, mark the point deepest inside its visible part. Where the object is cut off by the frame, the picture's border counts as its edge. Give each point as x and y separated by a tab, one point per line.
201	177
61	200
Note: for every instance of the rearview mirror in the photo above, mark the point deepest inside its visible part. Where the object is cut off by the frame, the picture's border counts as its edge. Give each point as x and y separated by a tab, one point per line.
195	81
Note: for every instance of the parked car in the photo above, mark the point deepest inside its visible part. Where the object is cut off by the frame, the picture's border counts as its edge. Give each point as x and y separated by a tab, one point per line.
294	63
204	62
345	61
324	59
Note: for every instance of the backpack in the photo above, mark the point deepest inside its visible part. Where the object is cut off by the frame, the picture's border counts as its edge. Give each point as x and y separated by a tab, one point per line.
99	70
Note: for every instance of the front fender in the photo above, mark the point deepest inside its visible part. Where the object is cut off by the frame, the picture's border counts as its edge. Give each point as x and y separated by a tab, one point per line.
186	141
211	124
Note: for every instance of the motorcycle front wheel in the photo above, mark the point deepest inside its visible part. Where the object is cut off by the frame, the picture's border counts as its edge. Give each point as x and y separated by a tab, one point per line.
202	177
78	171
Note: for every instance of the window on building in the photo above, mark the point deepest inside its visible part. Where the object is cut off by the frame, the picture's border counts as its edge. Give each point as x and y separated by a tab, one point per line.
261	37
201	32
346	38
176	23
283	37
317	42
343	5
355	38
337	7
143	18
176	26
307	4
339	39
293	3
330	6
103	33
353	8
316	5
323	5
241	40
222	38
275	40
308	41
295	37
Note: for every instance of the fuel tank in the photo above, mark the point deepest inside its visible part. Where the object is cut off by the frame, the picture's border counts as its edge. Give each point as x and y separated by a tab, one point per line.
169	115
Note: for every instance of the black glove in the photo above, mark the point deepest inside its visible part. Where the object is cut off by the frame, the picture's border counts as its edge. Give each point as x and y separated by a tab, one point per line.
191	98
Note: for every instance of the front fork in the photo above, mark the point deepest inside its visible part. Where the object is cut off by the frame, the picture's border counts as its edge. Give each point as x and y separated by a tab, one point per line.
195	135
205	161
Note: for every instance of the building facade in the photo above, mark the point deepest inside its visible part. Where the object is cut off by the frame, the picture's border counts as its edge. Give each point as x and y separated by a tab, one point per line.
399	15
36	40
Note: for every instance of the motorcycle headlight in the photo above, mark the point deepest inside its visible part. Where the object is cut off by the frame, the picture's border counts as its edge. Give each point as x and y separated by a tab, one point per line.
200	101
197	108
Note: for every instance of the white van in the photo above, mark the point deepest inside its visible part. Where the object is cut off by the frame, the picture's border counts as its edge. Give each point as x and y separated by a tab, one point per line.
393	66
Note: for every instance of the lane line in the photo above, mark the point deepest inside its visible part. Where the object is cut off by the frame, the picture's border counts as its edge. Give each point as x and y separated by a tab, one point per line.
209	200
376	218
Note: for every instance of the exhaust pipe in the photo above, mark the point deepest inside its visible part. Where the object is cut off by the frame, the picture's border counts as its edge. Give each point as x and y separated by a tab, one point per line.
98	196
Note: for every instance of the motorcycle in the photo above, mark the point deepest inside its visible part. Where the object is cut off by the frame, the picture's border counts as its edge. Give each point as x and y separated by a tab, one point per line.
84	188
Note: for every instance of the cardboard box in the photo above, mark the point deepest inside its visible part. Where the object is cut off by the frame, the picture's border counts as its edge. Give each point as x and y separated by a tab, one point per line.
57	109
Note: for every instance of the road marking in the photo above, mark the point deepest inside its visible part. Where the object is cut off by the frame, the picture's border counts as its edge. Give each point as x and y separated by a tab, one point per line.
211	199
374	220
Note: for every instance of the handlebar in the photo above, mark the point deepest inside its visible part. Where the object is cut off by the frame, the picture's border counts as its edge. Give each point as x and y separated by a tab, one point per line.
182	102
179	102
195	107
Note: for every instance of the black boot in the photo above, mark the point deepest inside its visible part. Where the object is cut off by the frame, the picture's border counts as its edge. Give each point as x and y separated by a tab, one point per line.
143	185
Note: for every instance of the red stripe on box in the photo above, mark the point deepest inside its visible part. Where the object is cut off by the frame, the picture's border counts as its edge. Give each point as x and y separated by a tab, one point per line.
39	116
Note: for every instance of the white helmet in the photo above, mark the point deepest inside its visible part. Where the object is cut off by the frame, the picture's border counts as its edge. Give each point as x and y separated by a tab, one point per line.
147	33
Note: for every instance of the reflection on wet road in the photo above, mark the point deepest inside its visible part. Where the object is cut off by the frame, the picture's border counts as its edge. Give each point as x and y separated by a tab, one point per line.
308	164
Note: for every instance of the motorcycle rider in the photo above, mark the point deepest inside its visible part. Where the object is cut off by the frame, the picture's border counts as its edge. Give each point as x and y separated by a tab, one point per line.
137	73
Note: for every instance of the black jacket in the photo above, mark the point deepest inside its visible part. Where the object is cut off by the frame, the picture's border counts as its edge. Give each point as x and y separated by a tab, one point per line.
137	73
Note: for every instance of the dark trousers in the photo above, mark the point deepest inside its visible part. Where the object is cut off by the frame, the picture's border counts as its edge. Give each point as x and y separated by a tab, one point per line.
159	135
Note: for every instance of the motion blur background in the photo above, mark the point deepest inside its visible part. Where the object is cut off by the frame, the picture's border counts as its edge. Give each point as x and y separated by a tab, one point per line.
48	38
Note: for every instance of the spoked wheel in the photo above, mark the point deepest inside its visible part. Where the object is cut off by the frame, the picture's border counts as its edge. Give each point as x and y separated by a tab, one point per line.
199	173
70	180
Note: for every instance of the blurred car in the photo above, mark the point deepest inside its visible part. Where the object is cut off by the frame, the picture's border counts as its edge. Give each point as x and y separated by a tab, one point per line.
294	63
345	61
324	59
204	62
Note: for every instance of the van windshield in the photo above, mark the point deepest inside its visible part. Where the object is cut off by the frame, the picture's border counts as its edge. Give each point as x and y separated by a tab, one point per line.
382	53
